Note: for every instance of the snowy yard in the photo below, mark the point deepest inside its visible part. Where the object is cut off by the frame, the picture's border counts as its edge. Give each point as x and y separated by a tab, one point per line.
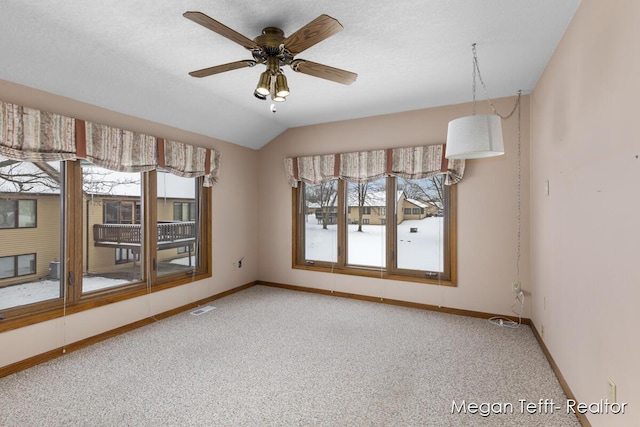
43	290
422	250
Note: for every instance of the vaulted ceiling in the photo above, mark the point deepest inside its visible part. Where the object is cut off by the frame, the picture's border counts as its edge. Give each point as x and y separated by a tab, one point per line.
134	57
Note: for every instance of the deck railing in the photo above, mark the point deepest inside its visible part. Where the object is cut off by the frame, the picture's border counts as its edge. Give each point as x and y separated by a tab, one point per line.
170	234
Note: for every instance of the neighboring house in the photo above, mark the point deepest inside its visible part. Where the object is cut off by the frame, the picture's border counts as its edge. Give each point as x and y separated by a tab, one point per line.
374	209
30	220
416	209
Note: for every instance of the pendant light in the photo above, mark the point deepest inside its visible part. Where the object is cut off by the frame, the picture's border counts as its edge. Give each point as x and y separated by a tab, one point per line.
475	136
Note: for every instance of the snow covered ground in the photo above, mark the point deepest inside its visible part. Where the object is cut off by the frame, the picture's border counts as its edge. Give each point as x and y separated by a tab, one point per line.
43	290
422	250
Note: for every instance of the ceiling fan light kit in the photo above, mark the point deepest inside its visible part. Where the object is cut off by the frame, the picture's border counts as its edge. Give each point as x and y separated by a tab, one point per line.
275	50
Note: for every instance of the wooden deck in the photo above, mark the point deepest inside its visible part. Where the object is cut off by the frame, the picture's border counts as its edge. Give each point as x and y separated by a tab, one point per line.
175	234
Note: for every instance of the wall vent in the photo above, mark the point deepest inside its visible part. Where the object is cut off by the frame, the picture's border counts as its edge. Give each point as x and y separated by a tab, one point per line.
202	310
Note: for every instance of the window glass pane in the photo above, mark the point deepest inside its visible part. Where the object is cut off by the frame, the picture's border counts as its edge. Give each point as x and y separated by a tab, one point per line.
27	213
321	221
7	267
30	264
126	213
26	264
420	232
7	213
366	229
111	212
177	242
112	242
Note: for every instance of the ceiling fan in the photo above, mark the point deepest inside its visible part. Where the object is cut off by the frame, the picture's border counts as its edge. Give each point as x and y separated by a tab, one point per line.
274	50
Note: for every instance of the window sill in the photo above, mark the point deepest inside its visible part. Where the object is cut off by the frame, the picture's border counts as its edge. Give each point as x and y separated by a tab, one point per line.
90	302
376	274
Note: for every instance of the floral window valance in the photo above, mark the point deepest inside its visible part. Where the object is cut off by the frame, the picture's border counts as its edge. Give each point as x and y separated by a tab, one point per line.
27	134
408	162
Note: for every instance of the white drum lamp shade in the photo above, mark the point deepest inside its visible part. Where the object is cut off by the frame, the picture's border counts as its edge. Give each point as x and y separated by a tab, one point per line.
475	137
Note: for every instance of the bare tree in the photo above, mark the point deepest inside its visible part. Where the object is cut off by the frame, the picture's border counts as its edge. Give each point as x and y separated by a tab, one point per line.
430	190
328	196
324	195
15	178
361	192
41	177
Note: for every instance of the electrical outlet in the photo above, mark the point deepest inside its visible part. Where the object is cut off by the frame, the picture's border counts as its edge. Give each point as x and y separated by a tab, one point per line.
516	287
611	389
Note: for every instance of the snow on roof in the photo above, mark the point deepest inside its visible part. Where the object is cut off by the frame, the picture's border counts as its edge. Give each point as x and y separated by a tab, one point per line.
417	203
372	198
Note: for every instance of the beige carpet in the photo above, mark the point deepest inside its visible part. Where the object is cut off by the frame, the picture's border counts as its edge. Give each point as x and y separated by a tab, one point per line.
273	357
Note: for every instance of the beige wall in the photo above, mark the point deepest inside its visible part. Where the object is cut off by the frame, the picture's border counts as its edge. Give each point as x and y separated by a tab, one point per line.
235	229
486	215
585	243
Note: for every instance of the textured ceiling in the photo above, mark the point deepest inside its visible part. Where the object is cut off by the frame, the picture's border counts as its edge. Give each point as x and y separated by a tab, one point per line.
133	57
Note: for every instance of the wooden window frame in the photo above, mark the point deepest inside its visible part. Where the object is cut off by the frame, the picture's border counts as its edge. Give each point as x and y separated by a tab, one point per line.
72	220
446	278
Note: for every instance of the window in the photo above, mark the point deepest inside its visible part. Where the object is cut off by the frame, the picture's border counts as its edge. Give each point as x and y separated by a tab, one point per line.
184	211
113	226
177	228
418	248
17	213
365	242
320	230
105	215
420	242
30	255
121	212
17	265
71	222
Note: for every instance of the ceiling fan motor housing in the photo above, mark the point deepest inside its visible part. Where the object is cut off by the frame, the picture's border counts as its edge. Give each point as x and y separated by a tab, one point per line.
271	45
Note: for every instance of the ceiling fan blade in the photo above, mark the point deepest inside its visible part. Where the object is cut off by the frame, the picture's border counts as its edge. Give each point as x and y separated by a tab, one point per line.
223	30
314	32
222	68
324	71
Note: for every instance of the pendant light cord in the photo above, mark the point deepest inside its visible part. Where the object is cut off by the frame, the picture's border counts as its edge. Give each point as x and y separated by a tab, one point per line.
476	68
501	321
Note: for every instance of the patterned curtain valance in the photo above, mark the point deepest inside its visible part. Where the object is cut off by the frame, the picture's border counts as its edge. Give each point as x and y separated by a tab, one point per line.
120	150
27	134
32	135
409	162
189	161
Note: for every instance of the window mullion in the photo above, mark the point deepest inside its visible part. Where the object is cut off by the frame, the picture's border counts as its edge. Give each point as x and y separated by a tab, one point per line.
71	274
342	223
150	226
391	224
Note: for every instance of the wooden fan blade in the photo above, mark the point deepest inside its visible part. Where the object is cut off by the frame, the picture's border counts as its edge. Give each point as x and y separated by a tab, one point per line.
223	30
314	32
222	68
324	71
